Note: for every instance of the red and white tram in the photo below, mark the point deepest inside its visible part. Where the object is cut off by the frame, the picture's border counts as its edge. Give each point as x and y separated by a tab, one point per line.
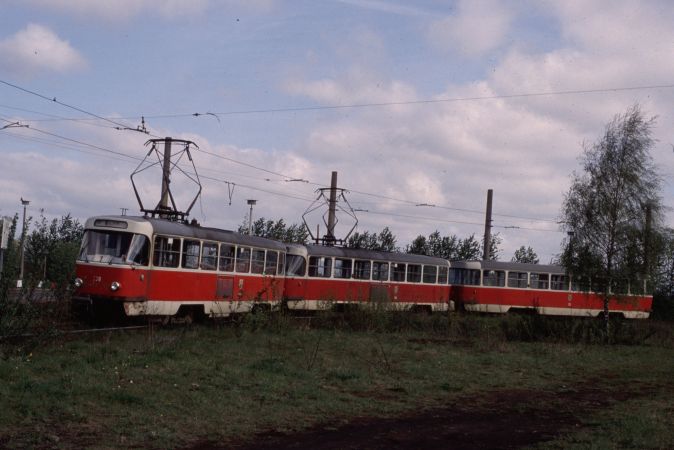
320	277
501	287
147	267
137	266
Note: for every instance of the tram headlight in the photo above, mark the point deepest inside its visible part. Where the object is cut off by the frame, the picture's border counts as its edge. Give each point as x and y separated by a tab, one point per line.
115	286
78	282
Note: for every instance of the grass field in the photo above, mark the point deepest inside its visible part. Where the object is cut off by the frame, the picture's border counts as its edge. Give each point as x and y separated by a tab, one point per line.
247	383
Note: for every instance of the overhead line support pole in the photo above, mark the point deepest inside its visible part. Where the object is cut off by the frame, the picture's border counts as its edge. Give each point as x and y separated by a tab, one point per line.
487	227
332	205
166	175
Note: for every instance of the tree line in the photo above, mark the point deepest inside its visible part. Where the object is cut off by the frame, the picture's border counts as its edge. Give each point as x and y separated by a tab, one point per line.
451	247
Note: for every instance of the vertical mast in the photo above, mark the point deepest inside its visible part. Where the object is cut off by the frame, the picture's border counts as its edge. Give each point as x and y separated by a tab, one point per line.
332	207
166	175
487	227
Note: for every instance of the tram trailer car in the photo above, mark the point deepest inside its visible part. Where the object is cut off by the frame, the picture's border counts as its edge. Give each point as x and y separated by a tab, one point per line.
153	267
320	277
502	287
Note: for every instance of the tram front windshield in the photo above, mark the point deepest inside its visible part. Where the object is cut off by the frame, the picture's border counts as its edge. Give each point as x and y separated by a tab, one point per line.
114	247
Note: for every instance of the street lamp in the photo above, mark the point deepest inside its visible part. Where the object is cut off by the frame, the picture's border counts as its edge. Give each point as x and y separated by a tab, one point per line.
250	216
25	203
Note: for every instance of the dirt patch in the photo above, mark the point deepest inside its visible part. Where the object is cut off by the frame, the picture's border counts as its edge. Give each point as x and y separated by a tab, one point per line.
504	419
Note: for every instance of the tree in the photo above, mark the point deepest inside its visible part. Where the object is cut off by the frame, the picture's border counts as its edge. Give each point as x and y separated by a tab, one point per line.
451	247
10	267
51	251
363	240
469	249
384	241
663	281
612	206
525	255
277	230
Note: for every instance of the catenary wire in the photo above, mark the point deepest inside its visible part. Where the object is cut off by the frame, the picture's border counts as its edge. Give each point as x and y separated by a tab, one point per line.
413	102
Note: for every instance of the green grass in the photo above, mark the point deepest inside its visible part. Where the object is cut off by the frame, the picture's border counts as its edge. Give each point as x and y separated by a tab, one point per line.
173	387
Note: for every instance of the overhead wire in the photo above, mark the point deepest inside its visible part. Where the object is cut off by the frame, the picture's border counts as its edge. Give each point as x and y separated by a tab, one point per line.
118	125
131	157
289	178
90	122
384	197
435	219
357	105
409	102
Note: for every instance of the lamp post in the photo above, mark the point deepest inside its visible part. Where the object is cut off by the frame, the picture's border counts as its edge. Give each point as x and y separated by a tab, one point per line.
25	203
250	216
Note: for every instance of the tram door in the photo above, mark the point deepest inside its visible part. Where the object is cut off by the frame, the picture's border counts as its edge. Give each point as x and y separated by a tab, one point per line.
295	281
380	289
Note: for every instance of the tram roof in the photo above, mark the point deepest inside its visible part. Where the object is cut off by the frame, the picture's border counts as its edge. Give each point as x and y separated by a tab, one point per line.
343	252
172	228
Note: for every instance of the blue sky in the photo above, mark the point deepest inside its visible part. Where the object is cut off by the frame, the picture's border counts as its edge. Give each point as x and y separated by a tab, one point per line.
132	58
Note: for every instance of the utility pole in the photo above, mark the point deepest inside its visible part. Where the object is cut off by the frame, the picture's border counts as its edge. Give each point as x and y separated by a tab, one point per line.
25	203
166	175
332	208
250	216
487	227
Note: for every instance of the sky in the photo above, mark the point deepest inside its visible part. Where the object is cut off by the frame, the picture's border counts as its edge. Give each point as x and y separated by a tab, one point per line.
420	107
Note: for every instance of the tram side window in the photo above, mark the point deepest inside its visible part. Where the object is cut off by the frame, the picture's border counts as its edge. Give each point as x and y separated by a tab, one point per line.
598	284
559	282
517	279
442	275
257	265
282	264
243	259
380	271
361	269
398	272
620	286
342	268
227	253
580	284
320	266
191	250
209	256
166	251
296	266
455	276
637	287
493	278
414	273
539	280
271	263
472	277
430	274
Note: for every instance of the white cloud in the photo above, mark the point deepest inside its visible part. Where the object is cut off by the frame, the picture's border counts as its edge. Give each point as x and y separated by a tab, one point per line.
38	49
357	86
478	27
